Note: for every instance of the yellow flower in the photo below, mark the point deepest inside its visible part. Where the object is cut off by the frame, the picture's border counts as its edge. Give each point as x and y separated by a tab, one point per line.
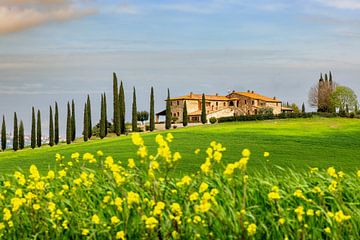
95	219
160	206
75	156
133	198
154	165
131	163
281	221
318	213
36	207
242	163
300	212
18	192
332	186
120	235
214	192
341	174
358	173
51	175
310	212
194	196
186	180
2	226
206	167
176	156
65	224
176	209
332	172
34	173
115	220
251	229
314	170
229	170
17	203
62	173
85	232
58	157
266	154
197	151
99	153
340	216
246	153
197	219
151	223
274	196
169	137
7	214
203	207
327	230
137	140
203	187
217	156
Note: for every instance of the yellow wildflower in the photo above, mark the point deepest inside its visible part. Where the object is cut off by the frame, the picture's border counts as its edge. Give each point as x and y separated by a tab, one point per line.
194	196
274	196
176	209
197	151
340	216
310	212
332	186
7	214
133	198
332	172
131	163
300	212
281	221
266	154
36	207
197	219
203	187
327	230
51	175
251	229
137	140
85	232
99	153
246	153
176	156
115	220
120	235
229	170
217	156
169	137
151	223
314	170
95	219
160	206
358	173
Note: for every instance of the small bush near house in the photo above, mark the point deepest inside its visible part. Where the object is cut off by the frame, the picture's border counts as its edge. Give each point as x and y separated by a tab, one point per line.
213	120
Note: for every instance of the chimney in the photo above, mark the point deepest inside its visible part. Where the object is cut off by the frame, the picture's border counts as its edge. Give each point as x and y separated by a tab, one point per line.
233	91
274	98
216	94
248	91
252	91
191	94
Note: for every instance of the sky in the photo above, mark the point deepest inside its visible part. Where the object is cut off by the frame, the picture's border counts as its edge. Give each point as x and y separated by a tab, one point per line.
58	50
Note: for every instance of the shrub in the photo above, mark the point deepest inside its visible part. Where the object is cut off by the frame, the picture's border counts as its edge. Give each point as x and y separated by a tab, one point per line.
213	120
136	199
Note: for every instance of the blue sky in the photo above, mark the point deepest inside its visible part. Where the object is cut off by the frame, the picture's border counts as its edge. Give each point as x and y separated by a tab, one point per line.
63	49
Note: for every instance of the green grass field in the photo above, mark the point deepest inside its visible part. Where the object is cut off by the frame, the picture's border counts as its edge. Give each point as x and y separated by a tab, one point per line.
295	143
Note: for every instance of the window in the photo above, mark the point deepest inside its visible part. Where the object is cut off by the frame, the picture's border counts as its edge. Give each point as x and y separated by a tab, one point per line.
224	104
245	102
253	102
217	104
177	102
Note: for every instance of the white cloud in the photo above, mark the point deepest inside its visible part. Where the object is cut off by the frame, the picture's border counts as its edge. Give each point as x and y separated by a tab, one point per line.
17	15
342	4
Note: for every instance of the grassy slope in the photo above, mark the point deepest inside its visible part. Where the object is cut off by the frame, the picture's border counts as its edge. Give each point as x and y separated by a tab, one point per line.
294	143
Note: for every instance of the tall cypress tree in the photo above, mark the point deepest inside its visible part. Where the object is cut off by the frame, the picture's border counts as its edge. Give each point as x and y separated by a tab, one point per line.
168	112
3	134
68	125
116	120
21	136
106	120
16	134
73	123
33	129
38	129
203	109
88	105
303	108
51	128
185	115
86	122
56	137
102	118
122	109
152	110
134	113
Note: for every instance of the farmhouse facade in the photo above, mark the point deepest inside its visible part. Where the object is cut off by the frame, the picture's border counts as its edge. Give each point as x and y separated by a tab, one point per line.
233	104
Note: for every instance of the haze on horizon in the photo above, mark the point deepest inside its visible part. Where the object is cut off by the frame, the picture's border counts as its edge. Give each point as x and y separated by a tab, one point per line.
65	49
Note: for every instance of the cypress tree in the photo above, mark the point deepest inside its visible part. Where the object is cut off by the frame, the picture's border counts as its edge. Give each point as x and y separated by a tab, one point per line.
21	136
73	123
185	115
168	112
3	134
116	120
56	137
152	110
134	113
102	118
122	109
38	129
68	125
33	129
88	105
105	118
203	109
16	134
51	128
86	121
303	108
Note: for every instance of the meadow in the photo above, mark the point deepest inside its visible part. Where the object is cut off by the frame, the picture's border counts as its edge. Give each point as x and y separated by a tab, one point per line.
293	143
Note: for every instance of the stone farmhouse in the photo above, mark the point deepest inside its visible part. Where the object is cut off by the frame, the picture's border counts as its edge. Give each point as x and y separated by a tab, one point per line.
233	104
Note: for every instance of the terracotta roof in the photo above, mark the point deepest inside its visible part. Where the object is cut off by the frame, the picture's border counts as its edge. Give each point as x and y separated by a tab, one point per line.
257	96
287	109
199	97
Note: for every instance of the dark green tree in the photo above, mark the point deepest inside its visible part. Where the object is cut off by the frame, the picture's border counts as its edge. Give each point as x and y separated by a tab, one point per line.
152	110
68	125
3	134
102	118
122	108
38	129
142	116
86	122
185	115
88	105
168	112
203	109
16	134
356	109
106	120
33	129
73	121
51	128
134	112
303	108
21	135
56	137
116	117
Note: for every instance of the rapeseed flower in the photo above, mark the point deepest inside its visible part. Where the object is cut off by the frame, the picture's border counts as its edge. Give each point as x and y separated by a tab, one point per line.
251	229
